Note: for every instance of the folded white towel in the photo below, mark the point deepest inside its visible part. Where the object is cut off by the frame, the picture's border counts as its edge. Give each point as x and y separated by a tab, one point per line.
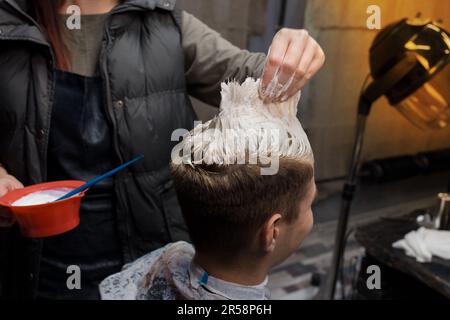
423	244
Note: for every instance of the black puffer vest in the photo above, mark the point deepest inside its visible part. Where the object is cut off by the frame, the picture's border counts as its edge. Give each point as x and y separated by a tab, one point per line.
142	67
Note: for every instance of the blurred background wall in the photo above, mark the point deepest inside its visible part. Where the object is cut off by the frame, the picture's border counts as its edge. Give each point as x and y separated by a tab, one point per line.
340	27
236	20
329	102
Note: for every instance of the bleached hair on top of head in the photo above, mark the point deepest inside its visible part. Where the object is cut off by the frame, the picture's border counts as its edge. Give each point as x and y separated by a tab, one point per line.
246	128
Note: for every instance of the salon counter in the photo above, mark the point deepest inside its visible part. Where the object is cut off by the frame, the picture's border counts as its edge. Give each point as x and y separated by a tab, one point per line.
402	277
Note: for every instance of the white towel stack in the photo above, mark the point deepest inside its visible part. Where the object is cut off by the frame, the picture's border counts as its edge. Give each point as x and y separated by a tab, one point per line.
423	244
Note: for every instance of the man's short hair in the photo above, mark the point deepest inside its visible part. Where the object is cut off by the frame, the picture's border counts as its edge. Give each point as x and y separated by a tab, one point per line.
225	202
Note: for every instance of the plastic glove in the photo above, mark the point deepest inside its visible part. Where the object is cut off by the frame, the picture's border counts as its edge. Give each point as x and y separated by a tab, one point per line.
294	58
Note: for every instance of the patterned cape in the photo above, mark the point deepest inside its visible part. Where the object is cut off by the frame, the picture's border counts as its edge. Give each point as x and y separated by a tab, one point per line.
170	274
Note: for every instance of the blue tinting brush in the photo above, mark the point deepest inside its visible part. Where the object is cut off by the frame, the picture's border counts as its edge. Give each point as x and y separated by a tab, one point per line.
92	182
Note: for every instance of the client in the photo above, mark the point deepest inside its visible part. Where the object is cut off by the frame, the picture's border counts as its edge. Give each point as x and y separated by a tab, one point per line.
245	183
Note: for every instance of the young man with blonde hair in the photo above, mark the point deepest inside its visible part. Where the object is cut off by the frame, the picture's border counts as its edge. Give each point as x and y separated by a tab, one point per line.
242	218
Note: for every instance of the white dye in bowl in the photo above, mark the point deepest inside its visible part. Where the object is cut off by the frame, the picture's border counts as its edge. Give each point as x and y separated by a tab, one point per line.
38	214
41	197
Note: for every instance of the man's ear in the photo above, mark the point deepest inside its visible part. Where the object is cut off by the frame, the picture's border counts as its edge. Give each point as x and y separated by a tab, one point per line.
270	232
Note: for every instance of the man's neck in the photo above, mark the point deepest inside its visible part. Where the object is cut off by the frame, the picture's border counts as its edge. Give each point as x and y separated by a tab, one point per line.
90	7
242	272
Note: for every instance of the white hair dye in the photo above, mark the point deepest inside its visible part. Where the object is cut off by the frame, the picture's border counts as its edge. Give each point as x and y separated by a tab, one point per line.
246	131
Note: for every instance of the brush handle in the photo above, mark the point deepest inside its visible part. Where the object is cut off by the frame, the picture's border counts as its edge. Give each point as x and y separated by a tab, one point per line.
94	181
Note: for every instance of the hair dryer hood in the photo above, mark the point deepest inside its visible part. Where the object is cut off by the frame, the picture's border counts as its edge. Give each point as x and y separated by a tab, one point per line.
419	96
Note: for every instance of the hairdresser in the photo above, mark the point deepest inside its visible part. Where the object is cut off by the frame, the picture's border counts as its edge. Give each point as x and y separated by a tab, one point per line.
75	102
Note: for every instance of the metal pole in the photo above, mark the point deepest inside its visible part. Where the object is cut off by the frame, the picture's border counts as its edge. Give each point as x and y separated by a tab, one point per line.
347	197
371	94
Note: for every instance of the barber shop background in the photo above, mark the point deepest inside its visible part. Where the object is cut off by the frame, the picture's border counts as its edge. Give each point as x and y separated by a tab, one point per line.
394	151
329	103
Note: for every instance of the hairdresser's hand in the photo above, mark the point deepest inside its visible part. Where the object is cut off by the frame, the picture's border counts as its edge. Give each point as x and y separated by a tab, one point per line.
7	183
294	58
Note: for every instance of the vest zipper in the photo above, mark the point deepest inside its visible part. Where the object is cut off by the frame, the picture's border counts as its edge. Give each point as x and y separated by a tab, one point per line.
107	90
105	77
123	234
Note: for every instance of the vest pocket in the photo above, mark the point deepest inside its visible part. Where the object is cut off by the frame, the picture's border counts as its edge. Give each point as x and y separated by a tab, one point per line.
139	211
148	208
174	217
